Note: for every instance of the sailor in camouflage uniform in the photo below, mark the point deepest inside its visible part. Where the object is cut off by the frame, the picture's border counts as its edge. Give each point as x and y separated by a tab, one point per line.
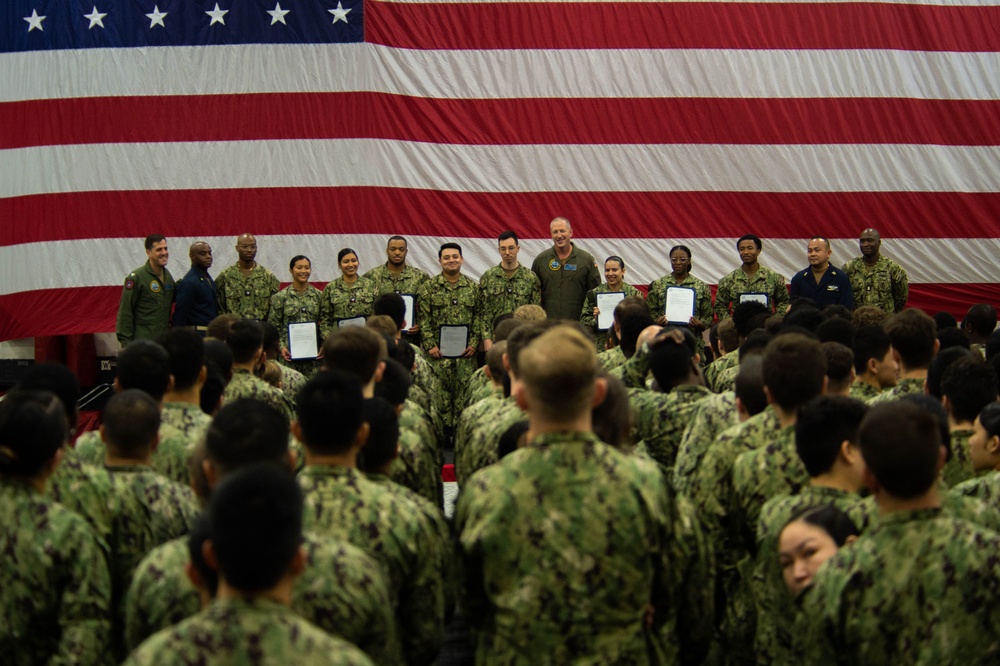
246	341
876	279
751	278
396	276
506	286
614	274
297	303
914	343
984	451
701	320
348	297
246	287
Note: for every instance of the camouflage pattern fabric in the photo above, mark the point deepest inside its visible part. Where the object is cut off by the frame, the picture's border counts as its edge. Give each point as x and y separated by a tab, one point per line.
959	468
656	297
345	301
85	490
188	419
764	281
501	295
290	307
170	457
249	297
659	419
863	391
709	418
245	385
612	358
985	488
416	467
905	386
884	285
407	282
479	447
589	321
718	366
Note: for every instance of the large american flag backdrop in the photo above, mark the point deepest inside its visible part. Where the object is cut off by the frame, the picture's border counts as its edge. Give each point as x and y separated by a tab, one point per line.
320	124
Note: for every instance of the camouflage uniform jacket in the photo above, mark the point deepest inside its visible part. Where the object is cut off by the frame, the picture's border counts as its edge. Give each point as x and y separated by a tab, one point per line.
715	368
343	301
884	285
959	468
242	631
189	419
765	281
171	457
416	467
659	419
290	307
55	589
589	321
863	391
341	503
565	542
292	382
918	588
657	300
342	590
985	488
775	606
245	385
726	379
501	294
441	303
612	358
481	446
407	282
144	308
477	387
710	418
905	386
85	490
249	297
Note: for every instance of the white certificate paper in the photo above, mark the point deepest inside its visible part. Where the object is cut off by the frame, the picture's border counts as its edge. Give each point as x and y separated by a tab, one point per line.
453	341
754	297
302	340
353	321
606	303
680	304
409	319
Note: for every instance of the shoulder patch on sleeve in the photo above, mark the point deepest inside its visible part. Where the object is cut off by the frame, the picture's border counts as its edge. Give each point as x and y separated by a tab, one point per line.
130	283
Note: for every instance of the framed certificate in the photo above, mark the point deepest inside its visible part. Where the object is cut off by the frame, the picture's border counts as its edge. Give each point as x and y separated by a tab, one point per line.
453	340
606	303
351	321
755	297
409	317
303	340
680	305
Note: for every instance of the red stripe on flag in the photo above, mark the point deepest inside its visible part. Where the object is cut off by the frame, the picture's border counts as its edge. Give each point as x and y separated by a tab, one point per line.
499	121
377	210
682	25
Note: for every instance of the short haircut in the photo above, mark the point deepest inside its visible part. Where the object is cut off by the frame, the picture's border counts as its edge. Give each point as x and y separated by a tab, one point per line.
530	312
383	325
744	312
671	362
186	350
749	386
558	370
257	511
153	239
727	334
901	445
945	320
330	411
144	365
32	429
503	330
244	432
212	390
395	385
500	318
521	338
953	337
393	306
449	246
825	240
220	327
989	418
839	363
395	238
403	353
936	370
756	342
344	252
494	360
836	329
296	259
356	350
383	435
869	342
836	310
868	315
750	237
837	524
195	541
981	319
794	369
913	334
272	339
807	317
611	420
993	345
822	425
933	406
131	420
245	338
969	384
57	379
630	304
506	235
632	324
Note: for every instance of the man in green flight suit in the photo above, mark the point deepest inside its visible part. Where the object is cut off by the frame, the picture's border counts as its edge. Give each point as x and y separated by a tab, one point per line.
148	294
566	273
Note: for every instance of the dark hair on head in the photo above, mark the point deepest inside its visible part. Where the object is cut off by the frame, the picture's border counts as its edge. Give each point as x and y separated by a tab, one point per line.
756	342
220	327
449	246
869	342
395	238
511	438
218	354
743	313
980	320
523	336
356	350
257	510
671	362
153	239
131	420
612	419
384	326
403	353
186	350
245	338
632	325
57	379
839	361
993	345
144	365
837	524
503	328
195	542
344	252
953	337
822	425
244	432
329	411
969	384
395	385
393	306
989	418
272	339
685	250
727	334
212	390
794	369
868	315
615	257
296	259
901	445
494	361
945	320
750	237
807	317
937	368
749	385
630	304
383	435
836	329
32	428
913	334
933	406
506	235
836	311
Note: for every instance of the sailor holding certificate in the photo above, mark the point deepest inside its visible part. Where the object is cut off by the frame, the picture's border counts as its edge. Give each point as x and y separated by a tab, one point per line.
598	307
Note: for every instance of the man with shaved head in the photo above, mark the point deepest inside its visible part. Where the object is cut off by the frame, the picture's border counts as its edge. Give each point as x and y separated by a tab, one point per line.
196	300
246	287
876	279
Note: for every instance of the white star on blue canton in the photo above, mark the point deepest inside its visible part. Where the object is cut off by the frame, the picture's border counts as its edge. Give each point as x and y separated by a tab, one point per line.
218	15
339	14
156	18
34	21
278	14
95	18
